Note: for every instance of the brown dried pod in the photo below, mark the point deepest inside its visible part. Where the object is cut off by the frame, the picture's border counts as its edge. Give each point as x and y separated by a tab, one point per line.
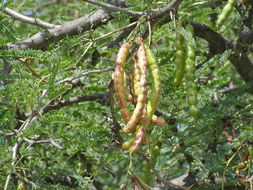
119	81
142	97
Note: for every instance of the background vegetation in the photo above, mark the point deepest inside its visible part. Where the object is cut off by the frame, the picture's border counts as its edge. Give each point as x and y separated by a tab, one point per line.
60	124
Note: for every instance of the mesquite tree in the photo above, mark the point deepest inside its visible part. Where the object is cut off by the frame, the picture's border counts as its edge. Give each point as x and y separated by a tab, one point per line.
126	94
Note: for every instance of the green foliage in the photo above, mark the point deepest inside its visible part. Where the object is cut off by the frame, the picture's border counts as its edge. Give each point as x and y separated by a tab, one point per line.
85	151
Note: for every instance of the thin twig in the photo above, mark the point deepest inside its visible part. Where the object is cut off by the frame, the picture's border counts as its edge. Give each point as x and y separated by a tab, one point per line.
110	33
70	79
51	141
172	6
115	8
116	126
15	151
28	20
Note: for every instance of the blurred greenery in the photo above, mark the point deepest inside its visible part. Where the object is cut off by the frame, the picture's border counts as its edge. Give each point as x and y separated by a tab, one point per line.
91	157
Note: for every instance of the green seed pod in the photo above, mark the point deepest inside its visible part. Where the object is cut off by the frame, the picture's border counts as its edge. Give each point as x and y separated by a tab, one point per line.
126	145
156	85
193	111
190	84
189	76
225	13
192	100
190	68
179	59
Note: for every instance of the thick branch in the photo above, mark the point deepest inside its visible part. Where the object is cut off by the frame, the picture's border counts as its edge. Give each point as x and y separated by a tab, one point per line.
73	100
218	44
43	39
26	19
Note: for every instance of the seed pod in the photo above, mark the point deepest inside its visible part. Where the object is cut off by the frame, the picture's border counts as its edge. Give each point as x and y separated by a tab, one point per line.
132	81
139	134
156	84
152	102
190	71
119	80
141	99
135	79
126	145
225	13
123	186
126	90
158	120
179	59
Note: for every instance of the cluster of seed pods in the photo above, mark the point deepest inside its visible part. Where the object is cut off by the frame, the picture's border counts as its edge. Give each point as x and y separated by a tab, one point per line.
144	104
189	76
185	62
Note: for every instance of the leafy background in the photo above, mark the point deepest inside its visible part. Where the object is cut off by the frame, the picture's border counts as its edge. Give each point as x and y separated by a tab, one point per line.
90	156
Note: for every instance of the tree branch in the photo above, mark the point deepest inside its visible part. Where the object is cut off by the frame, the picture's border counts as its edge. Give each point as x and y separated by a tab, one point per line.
51	141
165	10
44	38
29	20
115	8
218	44
72	78
62	103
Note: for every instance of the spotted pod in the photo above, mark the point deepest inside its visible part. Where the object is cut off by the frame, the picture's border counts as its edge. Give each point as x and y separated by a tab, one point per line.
225	13
119	80
132	81
148	113
179	59
156	85
136	78
191	94
139	135
141	99
128	95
